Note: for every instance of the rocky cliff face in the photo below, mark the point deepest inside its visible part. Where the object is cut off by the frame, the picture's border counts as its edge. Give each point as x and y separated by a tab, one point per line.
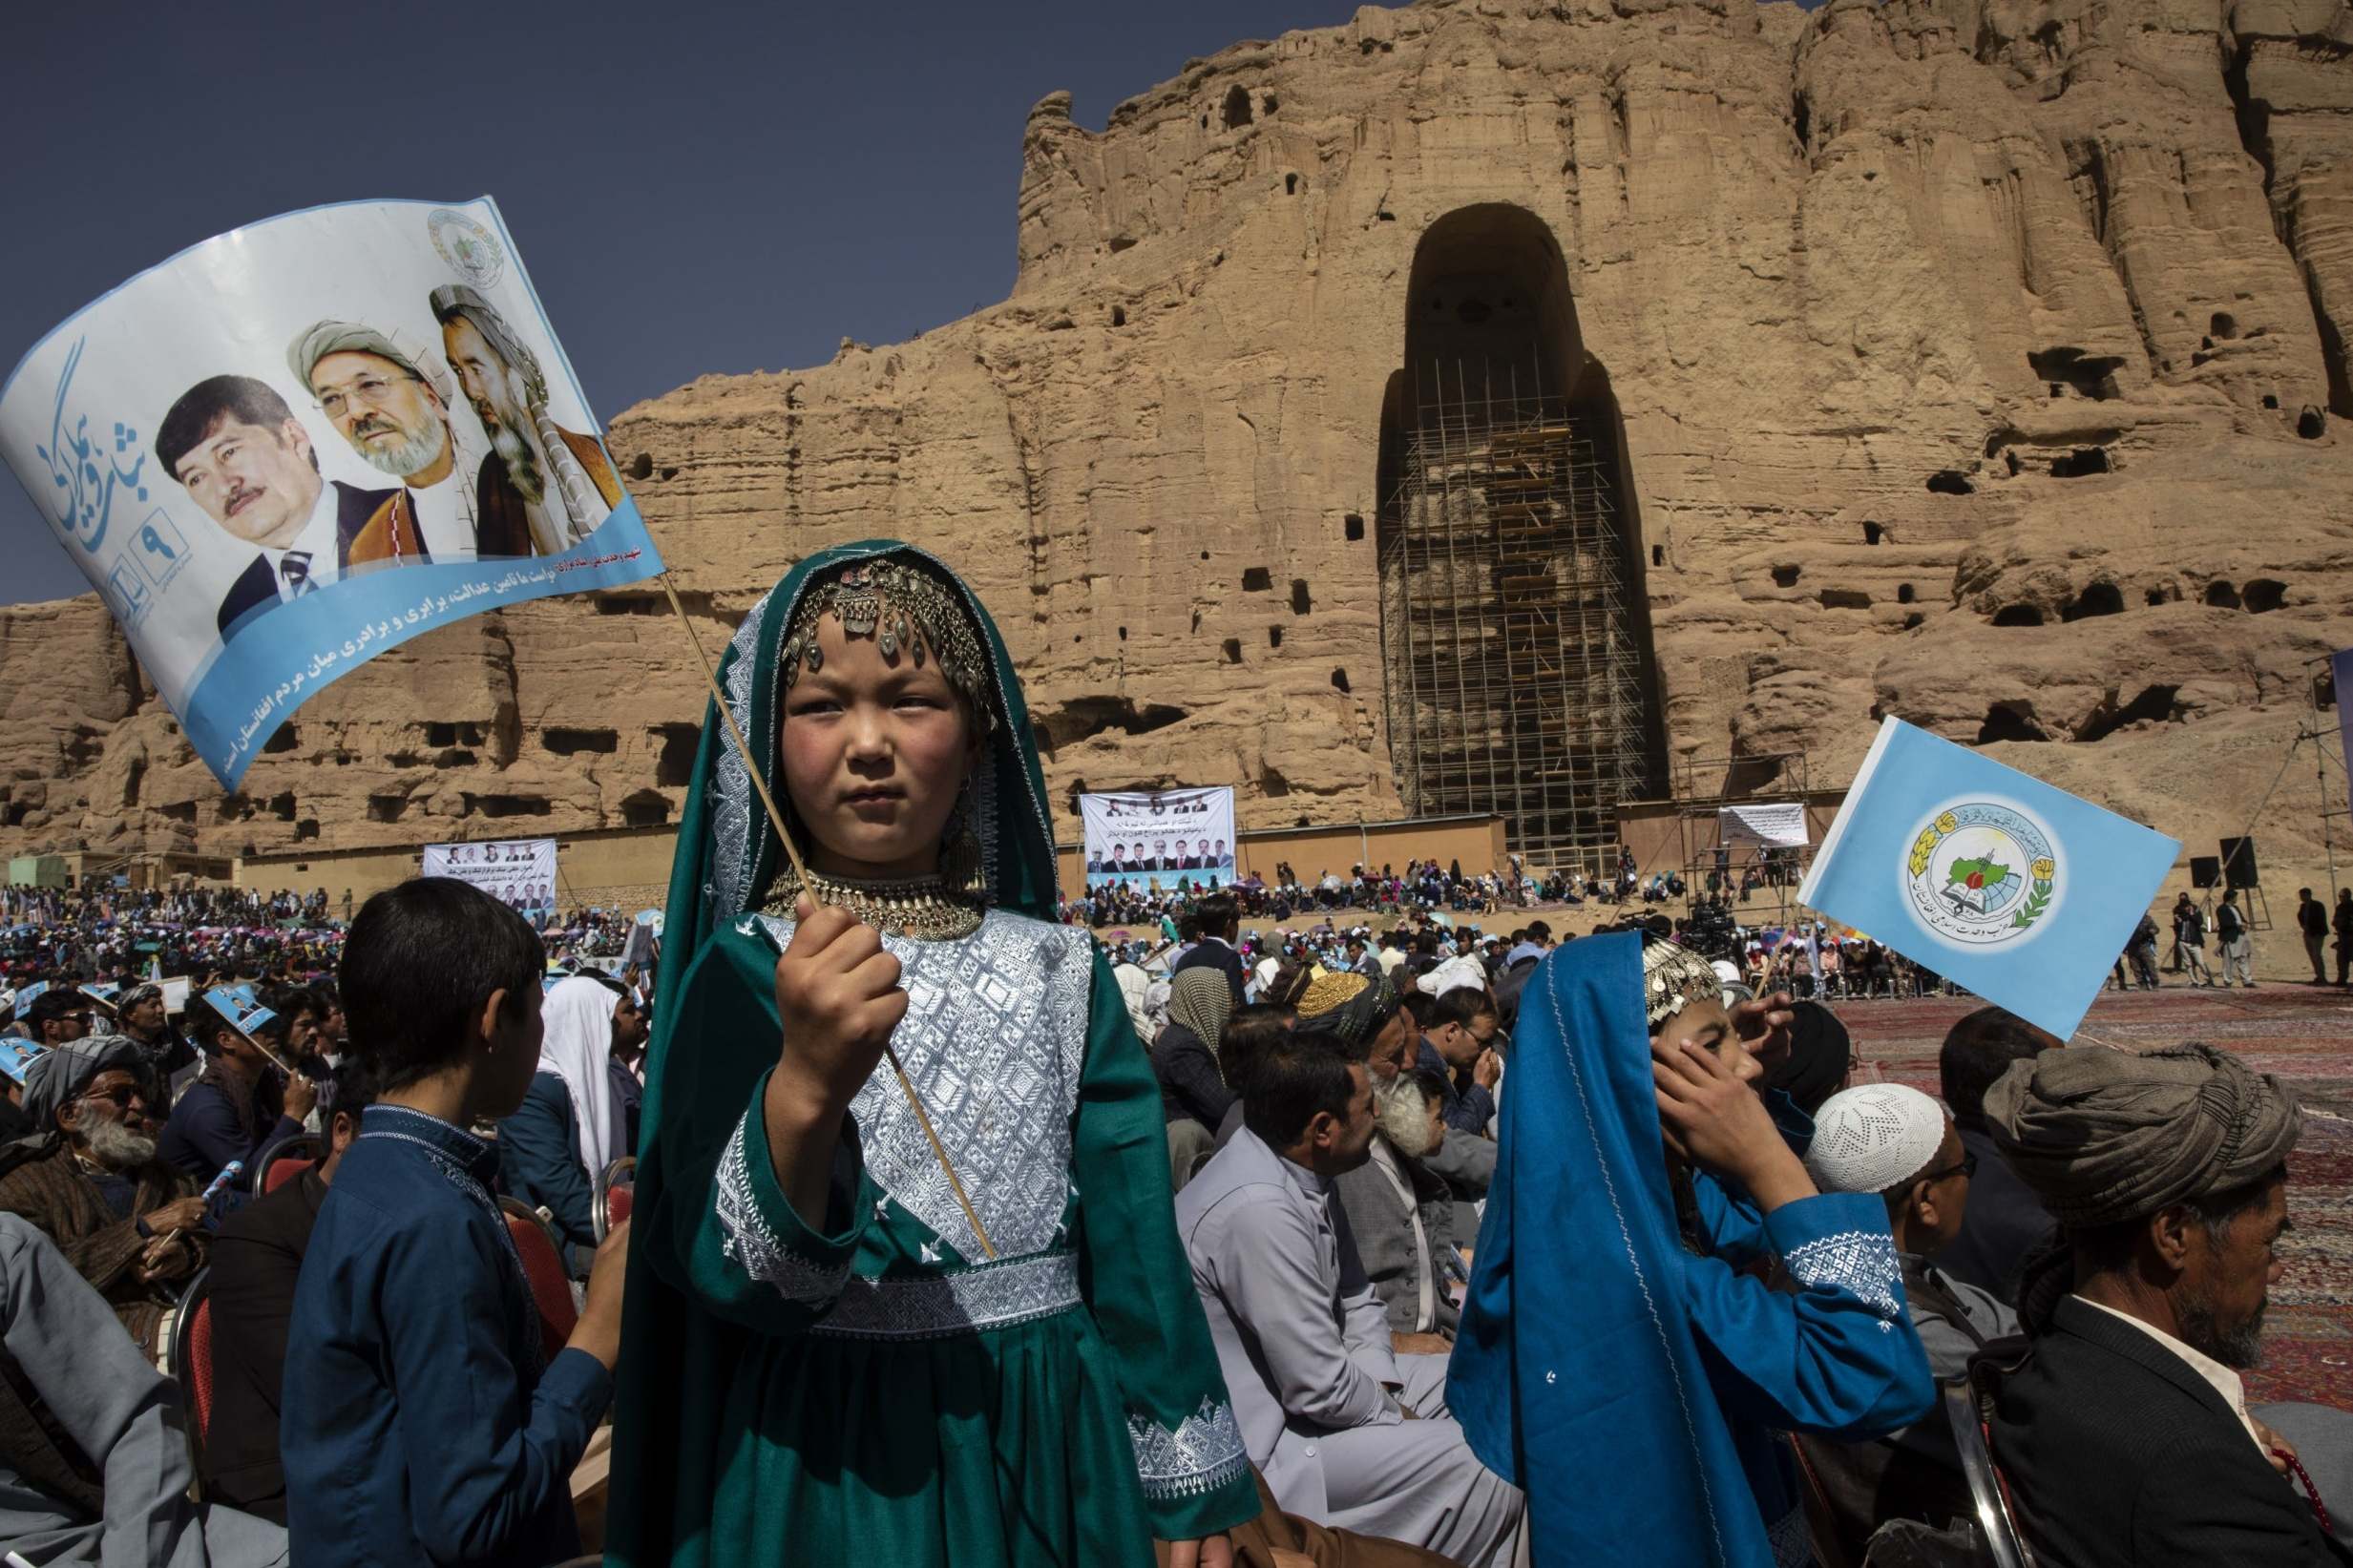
1979	363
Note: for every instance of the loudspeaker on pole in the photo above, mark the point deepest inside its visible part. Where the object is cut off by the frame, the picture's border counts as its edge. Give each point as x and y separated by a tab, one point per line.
2239	863
2205	870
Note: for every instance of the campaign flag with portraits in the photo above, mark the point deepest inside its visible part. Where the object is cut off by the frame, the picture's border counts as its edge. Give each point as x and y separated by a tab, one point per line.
519	874
2018	891
1162	837
310	439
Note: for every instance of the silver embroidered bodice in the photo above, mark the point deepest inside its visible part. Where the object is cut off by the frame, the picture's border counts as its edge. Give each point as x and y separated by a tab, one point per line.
994	1040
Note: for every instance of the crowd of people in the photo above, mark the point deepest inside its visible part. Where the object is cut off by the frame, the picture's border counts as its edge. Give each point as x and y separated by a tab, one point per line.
960	1232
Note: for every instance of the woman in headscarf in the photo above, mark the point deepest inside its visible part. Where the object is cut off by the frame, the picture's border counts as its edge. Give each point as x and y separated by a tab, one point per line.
570	1125
822	1357
1610	1328
1185	1058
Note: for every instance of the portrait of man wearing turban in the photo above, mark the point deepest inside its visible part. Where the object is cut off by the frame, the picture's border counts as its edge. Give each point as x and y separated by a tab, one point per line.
395	413
542	489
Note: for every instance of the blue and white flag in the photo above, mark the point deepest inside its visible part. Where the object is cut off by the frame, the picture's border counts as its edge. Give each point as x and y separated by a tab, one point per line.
306	441
2020	891
2341	674
240	1008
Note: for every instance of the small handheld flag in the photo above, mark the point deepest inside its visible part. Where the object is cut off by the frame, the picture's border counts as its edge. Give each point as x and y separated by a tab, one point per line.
1996	880
240	1007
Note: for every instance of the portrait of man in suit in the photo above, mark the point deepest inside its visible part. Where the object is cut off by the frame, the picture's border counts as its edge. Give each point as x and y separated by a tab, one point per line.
247	463
542	489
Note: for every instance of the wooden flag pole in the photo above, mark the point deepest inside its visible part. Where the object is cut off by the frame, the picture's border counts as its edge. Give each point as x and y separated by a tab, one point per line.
776	820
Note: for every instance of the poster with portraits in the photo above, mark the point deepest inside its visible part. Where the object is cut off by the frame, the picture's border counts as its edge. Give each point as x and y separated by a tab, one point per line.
310	439
1158	838
519	874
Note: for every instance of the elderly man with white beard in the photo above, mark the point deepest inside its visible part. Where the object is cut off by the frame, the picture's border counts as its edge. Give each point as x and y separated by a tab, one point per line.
1403	1217
395	417
89	1181
542	489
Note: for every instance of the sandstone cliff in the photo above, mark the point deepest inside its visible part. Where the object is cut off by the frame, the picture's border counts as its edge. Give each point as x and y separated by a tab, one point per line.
1979	363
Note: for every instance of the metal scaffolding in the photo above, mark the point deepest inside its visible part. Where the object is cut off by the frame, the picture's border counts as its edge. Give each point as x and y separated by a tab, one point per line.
1514	668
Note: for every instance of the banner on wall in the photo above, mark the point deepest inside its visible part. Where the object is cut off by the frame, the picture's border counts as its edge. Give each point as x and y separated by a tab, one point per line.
519	874
1778	825
310	439
1143	838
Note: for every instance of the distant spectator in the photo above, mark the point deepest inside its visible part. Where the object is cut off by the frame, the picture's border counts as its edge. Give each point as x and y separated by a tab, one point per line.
256	1259
2004	1221
58	1014
1220	919
2313	921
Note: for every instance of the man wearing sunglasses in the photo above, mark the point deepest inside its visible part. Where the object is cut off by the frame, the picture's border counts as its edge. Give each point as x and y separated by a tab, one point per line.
59	1014
90	1180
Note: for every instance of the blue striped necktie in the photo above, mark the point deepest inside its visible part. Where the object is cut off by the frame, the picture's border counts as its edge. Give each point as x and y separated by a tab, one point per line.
295	570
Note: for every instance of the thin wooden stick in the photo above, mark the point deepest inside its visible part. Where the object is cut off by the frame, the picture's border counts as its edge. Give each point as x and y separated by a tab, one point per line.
776	819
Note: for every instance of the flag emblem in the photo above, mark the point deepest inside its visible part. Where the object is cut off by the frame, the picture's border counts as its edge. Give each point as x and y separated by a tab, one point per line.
1982	873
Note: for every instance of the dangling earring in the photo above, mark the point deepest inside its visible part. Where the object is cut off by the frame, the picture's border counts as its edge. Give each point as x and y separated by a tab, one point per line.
959	848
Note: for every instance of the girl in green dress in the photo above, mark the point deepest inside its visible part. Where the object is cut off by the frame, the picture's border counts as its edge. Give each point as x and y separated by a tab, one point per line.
821	1363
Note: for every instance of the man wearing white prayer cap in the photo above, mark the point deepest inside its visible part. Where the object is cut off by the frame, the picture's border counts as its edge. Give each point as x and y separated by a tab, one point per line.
1894	1140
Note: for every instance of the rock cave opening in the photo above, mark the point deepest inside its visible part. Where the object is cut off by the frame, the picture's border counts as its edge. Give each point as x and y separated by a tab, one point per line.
1339	681
2264	594
2155	703
2018	615
2222	324
1301	602
1232	648
387	807
1517	666
1786	577
1237	109
2155	597
674	768
1258	579
641	467
1872	532
2098	598
2270	400
644	808
2221	596
571	742
1903	593
1950	482
2010	721
2311	423
1352	528
2082	461
1845	598
1274	636
1119	315
1291	184
2069	369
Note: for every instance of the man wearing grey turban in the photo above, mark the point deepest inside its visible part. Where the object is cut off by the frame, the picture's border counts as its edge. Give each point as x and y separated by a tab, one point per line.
2125	1432
88	1180
542	489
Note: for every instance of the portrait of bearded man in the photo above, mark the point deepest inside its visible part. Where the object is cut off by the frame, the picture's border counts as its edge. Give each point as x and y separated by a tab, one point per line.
542	489
396	417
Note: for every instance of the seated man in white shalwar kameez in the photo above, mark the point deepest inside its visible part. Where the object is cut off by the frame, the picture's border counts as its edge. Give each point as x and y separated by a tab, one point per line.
1347	1432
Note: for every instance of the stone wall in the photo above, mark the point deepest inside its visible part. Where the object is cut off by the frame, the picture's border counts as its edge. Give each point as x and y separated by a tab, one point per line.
1979	363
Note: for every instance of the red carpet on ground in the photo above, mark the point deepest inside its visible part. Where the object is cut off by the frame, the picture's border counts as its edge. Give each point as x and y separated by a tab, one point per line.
2303	1034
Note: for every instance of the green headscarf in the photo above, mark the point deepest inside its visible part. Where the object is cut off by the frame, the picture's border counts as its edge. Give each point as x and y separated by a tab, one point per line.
726	849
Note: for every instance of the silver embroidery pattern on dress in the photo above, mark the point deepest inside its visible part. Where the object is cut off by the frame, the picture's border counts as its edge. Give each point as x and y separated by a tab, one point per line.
1861	1262
940	1305
978	1011
731	799
1792	1540
1202	1454
761	1253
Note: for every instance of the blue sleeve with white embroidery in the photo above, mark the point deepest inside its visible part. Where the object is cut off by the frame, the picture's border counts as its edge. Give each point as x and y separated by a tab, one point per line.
1837	1356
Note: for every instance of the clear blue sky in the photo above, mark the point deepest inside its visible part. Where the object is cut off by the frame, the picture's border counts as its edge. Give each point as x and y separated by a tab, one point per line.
695	187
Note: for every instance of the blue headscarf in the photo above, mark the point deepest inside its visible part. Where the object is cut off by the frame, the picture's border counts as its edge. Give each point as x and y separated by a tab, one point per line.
1576	1374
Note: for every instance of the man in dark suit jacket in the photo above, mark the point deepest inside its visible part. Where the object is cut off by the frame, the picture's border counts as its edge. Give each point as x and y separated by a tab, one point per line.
237	449
2125	1433
256	1259
1221	926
